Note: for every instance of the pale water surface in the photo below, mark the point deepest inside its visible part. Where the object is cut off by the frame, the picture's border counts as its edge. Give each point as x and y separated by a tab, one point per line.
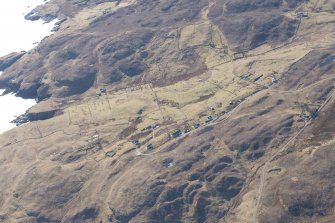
18	34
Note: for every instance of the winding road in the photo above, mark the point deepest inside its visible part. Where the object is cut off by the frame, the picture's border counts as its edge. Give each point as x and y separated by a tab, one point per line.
282	149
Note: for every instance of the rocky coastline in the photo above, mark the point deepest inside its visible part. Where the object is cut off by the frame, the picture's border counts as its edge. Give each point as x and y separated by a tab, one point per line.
29	116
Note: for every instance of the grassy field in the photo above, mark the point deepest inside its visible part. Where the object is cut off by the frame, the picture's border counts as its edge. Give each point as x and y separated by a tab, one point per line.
184	101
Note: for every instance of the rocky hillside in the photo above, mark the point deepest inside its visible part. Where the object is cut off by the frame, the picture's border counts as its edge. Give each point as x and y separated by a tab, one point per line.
207	111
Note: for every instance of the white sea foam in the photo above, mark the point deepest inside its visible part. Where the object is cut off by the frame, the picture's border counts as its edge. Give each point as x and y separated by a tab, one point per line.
18	34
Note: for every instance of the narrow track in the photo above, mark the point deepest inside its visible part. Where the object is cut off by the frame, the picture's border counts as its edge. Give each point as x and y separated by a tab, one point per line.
282	149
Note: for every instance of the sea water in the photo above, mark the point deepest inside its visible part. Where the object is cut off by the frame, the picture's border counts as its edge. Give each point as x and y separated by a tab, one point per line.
18	34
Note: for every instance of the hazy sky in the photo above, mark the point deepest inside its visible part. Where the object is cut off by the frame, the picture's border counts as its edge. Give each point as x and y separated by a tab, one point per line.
17	34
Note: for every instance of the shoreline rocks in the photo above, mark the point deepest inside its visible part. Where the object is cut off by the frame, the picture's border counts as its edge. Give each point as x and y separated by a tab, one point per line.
35	15
29	117
8	60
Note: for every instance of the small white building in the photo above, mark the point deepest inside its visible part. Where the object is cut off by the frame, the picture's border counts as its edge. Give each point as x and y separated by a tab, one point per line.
302	14
274	80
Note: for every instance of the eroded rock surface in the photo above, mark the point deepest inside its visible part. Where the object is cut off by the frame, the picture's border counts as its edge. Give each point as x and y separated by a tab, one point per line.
174	111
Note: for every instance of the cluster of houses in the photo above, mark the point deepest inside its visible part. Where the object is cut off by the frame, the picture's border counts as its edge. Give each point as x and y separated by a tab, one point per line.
175	134
247	77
